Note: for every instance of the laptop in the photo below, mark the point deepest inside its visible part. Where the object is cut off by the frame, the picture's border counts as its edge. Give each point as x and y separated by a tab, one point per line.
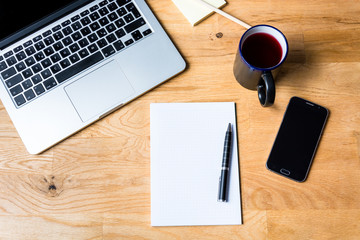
65	64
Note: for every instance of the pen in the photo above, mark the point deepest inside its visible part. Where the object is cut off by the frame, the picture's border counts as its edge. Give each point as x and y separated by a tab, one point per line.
224	177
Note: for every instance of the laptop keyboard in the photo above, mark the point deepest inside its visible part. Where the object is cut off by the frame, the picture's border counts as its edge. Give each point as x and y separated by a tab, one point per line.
36	67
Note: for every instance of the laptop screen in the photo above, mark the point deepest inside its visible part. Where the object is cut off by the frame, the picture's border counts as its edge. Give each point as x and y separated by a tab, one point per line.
19	14
30	15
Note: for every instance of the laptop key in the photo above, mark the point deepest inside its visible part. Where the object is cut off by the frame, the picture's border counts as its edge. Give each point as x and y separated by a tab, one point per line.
28	43
58	36
93	48
94	8
48	41
122	2
16	90
120	33
11	61
113	16
122	11
76	26
147	32
67	31
112	6
94	26
65	63
119	23
39	89
83	53
85	21
45	63
128	42
27	73
103	3
67	22
20	100
50	83
94	16
103	21
47	33
14	80
75	18
55	69
103	11
84	13
136	35
20	66
131	8
29	94
18	49
39	45
36	79
74	58
8	54
101	33
55	58
110	28
65	52
83	42
30	50
27	84
37	38
92	37
74	47
46	73
39	56
118	45
58	46
109	50
29	61
20	56
134	25
78	67
111	38
56	28
36	68
3	66
85	31
48	51
8	73
128	18
101	43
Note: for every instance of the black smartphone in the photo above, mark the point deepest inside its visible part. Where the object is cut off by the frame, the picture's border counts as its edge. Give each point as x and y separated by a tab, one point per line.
297	139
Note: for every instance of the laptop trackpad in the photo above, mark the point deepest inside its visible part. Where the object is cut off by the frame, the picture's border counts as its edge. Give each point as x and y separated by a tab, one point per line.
99	91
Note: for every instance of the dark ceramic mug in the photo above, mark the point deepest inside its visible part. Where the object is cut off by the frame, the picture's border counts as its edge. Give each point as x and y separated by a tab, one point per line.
262	49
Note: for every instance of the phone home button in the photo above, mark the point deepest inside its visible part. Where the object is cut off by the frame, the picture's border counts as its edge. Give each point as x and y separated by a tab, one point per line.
285	172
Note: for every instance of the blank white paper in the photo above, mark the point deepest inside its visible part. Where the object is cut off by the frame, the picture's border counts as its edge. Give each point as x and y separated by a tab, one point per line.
186	146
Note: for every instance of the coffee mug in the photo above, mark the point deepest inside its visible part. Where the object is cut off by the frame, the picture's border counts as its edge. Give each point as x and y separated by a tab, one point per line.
262	49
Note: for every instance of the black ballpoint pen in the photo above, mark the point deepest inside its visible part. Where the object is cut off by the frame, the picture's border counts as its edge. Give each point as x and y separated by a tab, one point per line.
224	177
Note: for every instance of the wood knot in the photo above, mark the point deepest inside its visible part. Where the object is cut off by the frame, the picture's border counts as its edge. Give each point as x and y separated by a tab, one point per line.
219	35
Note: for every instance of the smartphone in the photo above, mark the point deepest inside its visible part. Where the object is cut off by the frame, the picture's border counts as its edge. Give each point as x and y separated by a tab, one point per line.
297	139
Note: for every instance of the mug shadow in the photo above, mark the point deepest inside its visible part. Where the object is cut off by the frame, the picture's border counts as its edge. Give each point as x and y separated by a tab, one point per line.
295	59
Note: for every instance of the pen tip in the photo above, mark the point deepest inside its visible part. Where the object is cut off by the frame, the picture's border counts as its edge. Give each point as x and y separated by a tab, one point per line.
229	127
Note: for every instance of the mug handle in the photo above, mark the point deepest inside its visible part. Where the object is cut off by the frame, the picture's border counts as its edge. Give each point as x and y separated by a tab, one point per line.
266	89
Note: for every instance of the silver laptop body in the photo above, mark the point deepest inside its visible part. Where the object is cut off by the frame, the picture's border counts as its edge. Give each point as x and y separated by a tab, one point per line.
70	95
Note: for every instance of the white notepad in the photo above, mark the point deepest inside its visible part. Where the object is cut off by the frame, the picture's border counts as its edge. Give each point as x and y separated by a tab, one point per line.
195	12
186	145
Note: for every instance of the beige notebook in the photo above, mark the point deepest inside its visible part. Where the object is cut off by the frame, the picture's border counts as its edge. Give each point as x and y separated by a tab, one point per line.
195	12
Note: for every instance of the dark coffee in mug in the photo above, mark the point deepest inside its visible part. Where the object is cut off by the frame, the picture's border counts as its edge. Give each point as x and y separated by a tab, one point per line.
262	50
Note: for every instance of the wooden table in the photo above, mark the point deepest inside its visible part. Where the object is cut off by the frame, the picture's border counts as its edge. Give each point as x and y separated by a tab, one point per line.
96	184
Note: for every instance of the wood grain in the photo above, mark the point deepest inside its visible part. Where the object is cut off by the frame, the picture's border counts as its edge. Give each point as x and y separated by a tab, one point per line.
96	184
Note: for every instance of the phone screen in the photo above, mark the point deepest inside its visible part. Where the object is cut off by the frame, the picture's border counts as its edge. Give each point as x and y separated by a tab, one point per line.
297	139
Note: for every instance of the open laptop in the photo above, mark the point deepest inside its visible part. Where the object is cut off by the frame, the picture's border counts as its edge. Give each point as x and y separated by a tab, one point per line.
65	64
